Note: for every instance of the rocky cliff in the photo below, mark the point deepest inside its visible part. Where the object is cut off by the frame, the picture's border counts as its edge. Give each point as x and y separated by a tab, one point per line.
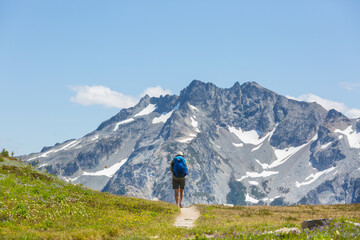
244	145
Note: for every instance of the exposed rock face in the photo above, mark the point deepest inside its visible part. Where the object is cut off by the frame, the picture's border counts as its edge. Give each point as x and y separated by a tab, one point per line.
315	223
244	145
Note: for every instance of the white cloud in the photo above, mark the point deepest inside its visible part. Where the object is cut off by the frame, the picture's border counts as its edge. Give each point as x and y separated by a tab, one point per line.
353	113
100	95
156	91
91	95
328	104
349	85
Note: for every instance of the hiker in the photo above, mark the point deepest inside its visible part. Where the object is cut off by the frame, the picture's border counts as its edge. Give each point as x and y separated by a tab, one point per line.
180	171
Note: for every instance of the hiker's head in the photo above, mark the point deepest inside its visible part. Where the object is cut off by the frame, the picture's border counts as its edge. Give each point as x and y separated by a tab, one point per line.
179	153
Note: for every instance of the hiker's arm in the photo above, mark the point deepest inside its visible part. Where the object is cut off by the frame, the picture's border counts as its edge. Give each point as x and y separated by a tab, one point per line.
172	166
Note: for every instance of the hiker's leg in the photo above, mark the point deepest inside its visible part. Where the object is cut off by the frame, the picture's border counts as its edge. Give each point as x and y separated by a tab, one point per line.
181	196
182	187
177	196
176	190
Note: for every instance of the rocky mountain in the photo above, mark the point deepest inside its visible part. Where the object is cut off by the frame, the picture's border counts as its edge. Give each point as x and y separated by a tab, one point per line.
244	145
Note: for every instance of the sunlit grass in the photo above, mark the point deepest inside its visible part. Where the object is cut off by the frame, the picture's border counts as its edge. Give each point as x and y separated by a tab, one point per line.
248	218
36	205
252	222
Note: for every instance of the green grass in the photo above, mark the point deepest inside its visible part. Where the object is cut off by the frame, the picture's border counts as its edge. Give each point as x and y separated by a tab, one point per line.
37	205
253	222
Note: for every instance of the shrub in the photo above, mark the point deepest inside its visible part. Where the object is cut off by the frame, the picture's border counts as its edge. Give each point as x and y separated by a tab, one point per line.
4	153
1	159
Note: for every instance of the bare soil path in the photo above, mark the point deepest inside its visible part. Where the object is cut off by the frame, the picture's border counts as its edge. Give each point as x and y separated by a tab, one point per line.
187	217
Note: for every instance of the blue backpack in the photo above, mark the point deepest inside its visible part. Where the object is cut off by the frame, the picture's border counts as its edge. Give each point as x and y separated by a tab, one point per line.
180	169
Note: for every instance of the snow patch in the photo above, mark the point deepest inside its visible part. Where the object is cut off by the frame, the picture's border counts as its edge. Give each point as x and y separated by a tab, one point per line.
352	136
45	154
256	148
164	117
313	177
242	178
257	175
238	144
68	146
195	124
149	109
70	179
118	124
254	183
186	140
250	137
284	154
325	145
193	108
262	174
110	171
94	138
270	199
248	198
263	165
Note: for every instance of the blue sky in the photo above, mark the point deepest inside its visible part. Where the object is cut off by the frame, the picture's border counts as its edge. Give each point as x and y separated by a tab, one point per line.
66	66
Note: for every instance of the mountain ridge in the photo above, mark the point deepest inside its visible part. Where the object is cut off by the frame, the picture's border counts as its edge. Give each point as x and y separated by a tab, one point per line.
241	143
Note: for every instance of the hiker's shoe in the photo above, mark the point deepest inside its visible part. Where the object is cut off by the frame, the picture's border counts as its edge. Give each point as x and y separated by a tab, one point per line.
181	206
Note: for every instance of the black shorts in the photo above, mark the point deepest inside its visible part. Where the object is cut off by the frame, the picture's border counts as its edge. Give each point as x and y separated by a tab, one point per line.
178	182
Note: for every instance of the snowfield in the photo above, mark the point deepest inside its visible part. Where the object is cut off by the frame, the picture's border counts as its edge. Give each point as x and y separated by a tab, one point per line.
352	136
149	109
313	177
120	123
109	172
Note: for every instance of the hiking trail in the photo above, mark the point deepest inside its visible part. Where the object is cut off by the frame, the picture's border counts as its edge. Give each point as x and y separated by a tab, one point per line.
187	217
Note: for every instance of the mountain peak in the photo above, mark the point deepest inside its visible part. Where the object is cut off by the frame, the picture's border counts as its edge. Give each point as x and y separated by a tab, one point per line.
334	115
251	86
251	83
236	85
240	142
199	84
197	92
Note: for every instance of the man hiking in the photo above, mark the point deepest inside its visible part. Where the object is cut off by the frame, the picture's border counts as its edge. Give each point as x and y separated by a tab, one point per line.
180	171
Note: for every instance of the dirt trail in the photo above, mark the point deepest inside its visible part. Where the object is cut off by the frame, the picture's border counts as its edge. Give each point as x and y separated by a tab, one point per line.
187	217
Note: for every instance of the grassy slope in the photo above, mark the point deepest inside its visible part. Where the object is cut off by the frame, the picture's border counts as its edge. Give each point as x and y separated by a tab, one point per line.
35	205
226	221
38	205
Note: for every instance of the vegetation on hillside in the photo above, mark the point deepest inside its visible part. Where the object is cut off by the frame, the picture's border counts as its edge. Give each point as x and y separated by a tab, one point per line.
257	222
37	205
4	153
